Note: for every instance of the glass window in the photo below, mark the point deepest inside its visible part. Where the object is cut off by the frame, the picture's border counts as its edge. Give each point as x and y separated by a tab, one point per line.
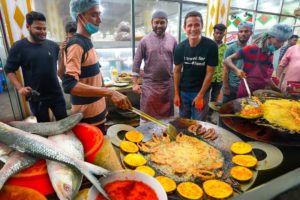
269	6
187	7
297	31
143	13
113	41
250	4
57	15
289	6
264	21
287	20
9	106
235	18
116	21
298	22
198	1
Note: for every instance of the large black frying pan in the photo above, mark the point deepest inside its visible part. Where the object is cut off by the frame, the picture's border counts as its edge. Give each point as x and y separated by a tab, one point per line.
254	129
223	143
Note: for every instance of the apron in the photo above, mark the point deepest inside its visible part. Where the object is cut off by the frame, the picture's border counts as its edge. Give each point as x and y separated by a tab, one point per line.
157	99
257	78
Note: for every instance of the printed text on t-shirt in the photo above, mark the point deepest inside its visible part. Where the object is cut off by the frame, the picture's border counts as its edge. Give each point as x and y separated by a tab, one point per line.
196	61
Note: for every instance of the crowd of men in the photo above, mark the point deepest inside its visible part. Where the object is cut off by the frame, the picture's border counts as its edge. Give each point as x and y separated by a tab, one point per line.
189	74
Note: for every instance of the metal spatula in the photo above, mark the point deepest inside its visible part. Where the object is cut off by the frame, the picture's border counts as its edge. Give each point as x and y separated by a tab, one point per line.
170	129
250	101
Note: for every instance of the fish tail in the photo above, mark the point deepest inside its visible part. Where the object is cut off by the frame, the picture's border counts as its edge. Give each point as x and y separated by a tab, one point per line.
94	169
95	182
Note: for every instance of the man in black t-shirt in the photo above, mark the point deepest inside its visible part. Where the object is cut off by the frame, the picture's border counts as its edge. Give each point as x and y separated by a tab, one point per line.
37	57
195	61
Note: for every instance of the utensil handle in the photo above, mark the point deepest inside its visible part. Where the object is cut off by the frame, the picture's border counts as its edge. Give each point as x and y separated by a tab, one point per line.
247	87
150	118
228	115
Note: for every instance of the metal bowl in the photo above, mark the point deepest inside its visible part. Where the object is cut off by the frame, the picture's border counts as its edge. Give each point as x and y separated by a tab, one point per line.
130	175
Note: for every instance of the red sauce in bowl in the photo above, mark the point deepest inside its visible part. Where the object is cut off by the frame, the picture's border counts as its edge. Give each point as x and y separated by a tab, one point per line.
128	190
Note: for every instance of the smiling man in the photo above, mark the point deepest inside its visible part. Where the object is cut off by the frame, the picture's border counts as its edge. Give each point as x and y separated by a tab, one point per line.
37	57
83	79
195	60
156	49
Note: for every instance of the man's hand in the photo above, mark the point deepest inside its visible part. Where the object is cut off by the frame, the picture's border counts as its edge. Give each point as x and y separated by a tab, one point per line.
198	102
226	91
177	100
121	101
63	45
25	91
241	74
137	88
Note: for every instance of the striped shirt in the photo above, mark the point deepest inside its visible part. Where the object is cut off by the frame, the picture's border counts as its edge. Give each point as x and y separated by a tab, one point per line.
252	55
258	67
87	71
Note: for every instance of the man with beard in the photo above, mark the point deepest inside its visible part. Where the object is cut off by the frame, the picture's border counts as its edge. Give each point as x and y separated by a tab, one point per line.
37	57
156	49
258	59
83	78
230	80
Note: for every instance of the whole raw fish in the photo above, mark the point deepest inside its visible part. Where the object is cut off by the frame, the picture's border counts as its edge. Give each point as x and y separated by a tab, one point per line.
65	179
16	162
41	147
4	152
49	128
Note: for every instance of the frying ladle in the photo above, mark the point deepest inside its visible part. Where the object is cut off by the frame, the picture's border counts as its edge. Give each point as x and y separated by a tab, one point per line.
170	129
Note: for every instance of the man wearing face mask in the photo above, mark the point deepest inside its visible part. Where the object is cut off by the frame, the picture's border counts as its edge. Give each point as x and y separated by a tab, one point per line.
83	79
257	58
156	49
37	57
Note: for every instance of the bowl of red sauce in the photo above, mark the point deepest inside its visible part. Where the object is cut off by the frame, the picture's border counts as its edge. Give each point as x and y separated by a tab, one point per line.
129	185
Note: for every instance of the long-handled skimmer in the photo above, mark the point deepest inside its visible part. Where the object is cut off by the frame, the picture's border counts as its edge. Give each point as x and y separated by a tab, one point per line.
170	129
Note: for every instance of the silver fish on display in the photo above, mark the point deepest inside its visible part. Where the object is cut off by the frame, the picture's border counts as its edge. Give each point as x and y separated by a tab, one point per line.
15	162
41	147
49	128
66	180
4	152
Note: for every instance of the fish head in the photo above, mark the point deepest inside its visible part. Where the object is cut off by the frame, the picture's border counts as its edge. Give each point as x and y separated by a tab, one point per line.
68	185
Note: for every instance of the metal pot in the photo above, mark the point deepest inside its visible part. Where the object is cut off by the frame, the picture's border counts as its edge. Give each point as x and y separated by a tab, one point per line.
254	129
130	175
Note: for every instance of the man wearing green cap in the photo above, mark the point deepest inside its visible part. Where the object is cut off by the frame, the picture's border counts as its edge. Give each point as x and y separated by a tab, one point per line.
83	79
258	58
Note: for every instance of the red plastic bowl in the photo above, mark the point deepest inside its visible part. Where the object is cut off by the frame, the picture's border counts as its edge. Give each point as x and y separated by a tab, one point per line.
35	177
91	138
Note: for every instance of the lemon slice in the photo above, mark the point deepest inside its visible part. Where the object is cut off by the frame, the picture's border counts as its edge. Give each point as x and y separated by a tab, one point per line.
134	136
189	190
241	173
146	170
241	148
217	189
134	160
244	160
129	147
168	184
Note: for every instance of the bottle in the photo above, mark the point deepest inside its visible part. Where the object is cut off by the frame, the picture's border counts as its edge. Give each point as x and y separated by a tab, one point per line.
114	74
